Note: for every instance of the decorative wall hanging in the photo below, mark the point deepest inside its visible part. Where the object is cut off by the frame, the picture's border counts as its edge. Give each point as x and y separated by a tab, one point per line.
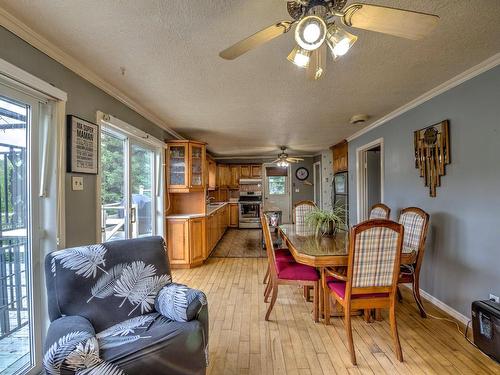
82	145
432	153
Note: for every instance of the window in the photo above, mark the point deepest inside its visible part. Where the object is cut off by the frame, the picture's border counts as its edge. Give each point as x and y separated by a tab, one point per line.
277	185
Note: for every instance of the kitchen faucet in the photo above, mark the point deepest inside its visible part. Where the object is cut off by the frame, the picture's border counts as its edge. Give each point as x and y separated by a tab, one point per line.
209	199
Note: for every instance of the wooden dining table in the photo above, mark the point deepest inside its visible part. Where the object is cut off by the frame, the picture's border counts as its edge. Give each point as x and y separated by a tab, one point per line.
322	251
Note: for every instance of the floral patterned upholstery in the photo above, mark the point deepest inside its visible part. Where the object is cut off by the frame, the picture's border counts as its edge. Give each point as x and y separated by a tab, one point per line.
106	303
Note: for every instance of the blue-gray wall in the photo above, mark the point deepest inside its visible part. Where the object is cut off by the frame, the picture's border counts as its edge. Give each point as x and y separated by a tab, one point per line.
84	99
462	260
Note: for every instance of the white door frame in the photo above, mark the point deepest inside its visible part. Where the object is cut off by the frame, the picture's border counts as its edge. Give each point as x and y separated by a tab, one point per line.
320	183
361	188
133	135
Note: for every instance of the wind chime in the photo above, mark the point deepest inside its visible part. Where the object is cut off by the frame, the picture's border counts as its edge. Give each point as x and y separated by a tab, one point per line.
432	154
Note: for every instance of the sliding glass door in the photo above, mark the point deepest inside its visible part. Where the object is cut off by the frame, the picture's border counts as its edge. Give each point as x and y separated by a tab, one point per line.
128	186
20	331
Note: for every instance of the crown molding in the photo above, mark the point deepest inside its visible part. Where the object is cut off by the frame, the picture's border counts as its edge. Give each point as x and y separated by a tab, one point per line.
482	67
23	31
257	157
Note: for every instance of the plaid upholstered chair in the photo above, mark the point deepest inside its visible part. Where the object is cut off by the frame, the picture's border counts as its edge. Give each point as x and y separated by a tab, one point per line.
300	211
380	211
287	273
372	275
416	224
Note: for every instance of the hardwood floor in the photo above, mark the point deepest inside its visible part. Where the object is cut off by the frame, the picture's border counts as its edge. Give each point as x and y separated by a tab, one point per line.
242	342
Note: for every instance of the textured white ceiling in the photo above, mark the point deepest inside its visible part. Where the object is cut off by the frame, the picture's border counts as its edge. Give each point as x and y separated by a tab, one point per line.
260	101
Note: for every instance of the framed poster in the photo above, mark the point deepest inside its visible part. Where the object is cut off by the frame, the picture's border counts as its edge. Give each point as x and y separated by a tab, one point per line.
83	145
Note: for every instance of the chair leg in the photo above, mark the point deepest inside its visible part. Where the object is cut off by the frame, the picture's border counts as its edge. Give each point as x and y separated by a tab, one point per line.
416	295
269	288
394	330
316	301
367	315
273	300
378	315
307	293
348	331
266	276
400	296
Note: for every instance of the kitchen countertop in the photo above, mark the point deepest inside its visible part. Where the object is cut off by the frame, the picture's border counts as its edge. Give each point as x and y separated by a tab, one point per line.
210	210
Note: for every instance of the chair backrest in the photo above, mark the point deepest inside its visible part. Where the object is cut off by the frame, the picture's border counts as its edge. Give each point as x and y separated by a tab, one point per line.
374	257
271	256
301	209
106	283
380	211
416	223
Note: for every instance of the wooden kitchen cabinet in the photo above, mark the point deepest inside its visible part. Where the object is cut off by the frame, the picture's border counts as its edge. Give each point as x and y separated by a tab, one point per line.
234	211
197	243
185	166
245	171
212	174
224	175
340	157
235	176
256	171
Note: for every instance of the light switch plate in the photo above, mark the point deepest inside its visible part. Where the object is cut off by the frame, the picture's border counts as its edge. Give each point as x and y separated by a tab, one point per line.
76	183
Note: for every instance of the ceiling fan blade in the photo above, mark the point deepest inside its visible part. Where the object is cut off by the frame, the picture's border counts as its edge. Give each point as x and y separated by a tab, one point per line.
294	160
275	161
255	40
398	22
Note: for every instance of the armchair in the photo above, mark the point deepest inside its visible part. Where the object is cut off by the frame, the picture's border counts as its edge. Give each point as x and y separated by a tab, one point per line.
114	310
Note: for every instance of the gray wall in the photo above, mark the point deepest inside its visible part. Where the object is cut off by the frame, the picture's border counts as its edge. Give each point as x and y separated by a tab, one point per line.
84	100
462	260
301	191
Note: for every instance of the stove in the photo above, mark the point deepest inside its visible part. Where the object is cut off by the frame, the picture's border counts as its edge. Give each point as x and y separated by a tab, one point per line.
250	203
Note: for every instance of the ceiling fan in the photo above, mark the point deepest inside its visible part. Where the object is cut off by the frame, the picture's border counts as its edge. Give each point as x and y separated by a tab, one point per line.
284	160
317	27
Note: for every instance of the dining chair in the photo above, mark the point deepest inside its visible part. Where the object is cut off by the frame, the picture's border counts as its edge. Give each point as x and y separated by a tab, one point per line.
416	224
281	254
287	273
300	211
380	211
372	276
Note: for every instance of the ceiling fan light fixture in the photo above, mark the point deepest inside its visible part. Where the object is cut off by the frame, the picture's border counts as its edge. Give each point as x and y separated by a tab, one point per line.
300	57
339	41
283	164
310	32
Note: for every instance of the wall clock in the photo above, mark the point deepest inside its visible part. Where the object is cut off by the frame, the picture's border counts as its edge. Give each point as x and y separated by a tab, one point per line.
302	173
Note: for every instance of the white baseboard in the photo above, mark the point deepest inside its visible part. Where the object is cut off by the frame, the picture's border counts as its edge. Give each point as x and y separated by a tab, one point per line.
442	306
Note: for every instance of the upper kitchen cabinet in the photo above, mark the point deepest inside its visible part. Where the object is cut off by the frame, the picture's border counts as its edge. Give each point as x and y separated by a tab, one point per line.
212	173
256	171
246	171
340	157
235	176
185	166
224	175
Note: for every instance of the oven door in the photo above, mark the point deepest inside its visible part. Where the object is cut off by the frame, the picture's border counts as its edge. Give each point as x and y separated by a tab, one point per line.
249	215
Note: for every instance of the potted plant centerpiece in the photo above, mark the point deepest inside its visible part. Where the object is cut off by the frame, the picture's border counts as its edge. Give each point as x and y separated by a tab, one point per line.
326	222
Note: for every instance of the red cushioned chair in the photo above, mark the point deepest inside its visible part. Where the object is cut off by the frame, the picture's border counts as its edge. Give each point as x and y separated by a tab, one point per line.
288	273
372	275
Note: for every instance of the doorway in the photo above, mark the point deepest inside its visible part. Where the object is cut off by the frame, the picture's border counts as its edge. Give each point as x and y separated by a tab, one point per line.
277	190
317	183
128	189
370	177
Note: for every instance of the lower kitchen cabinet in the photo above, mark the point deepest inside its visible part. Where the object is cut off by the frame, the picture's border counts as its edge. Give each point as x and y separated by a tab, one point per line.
234	214
190	241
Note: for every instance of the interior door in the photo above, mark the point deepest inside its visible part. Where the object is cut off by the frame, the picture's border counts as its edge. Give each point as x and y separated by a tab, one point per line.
20	295
277	191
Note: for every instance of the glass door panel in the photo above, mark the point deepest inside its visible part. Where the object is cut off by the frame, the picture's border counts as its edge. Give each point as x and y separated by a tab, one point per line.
142	184
177	165
196	165
113	188
16	328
